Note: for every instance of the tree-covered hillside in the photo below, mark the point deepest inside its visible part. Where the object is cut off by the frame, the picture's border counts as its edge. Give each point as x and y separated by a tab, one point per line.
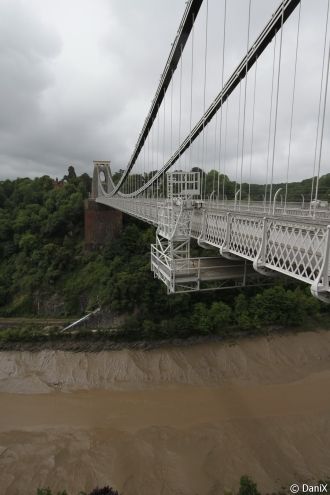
215	183
45	270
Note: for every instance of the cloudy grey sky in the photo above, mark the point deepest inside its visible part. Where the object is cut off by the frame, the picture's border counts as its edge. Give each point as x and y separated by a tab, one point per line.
78	77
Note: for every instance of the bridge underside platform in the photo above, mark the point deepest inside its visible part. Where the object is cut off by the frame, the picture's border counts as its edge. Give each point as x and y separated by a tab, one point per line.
197	274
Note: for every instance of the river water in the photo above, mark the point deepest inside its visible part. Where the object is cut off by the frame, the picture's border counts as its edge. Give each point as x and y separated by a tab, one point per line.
187	420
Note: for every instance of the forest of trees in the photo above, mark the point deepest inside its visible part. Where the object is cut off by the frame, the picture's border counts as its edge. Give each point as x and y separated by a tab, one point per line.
213	182
45	270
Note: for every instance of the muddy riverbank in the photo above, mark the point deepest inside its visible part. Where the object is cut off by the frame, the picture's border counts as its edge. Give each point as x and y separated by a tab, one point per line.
187	420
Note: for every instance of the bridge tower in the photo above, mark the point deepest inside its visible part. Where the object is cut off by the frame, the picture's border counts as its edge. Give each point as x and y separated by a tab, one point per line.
102	223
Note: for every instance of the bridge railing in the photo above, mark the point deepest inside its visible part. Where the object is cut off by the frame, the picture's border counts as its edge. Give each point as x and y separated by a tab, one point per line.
148	208
307	210
143	208
293	248
296	249
290	245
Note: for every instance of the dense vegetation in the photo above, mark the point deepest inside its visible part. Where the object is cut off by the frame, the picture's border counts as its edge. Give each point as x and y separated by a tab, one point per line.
40	239
106	490
215	183
45	270
246	487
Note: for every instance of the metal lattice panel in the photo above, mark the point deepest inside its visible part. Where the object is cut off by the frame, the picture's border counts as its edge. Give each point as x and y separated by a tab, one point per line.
245	236
215	229
196	223
296	249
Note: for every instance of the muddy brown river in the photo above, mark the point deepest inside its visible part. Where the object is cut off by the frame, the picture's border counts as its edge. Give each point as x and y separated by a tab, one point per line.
187	420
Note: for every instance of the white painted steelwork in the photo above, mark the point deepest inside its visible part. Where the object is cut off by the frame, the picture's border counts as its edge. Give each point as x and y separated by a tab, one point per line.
290	239
289	243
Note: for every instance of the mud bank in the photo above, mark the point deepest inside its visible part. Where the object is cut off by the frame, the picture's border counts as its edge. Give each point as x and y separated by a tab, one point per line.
170	420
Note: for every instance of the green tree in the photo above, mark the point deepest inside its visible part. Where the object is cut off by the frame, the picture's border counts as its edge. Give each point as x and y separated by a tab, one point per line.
247	486
219	316
242	314
200	319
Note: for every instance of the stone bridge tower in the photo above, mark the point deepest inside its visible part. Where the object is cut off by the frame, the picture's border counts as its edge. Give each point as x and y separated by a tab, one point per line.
102	223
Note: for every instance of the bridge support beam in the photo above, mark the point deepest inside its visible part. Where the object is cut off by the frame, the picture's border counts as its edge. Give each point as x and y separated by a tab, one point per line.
102	224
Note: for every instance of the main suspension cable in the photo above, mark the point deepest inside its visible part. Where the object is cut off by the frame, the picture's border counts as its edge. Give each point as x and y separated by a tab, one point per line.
261	43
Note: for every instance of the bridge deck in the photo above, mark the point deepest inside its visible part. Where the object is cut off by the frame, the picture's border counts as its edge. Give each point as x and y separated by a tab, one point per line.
291	241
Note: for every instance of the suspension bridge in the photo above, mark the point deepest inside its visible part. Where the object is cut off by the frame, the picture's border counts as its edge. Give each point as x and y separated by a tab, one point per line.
176	178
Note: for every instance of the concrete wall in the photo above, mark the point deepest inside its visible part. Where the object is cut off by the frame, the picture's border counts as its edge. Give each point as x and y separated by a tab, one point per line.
102	224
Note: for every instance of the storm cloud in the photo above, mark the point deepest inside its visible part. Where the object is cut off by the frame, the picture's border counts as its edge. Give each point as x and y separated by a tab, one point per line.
78	77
